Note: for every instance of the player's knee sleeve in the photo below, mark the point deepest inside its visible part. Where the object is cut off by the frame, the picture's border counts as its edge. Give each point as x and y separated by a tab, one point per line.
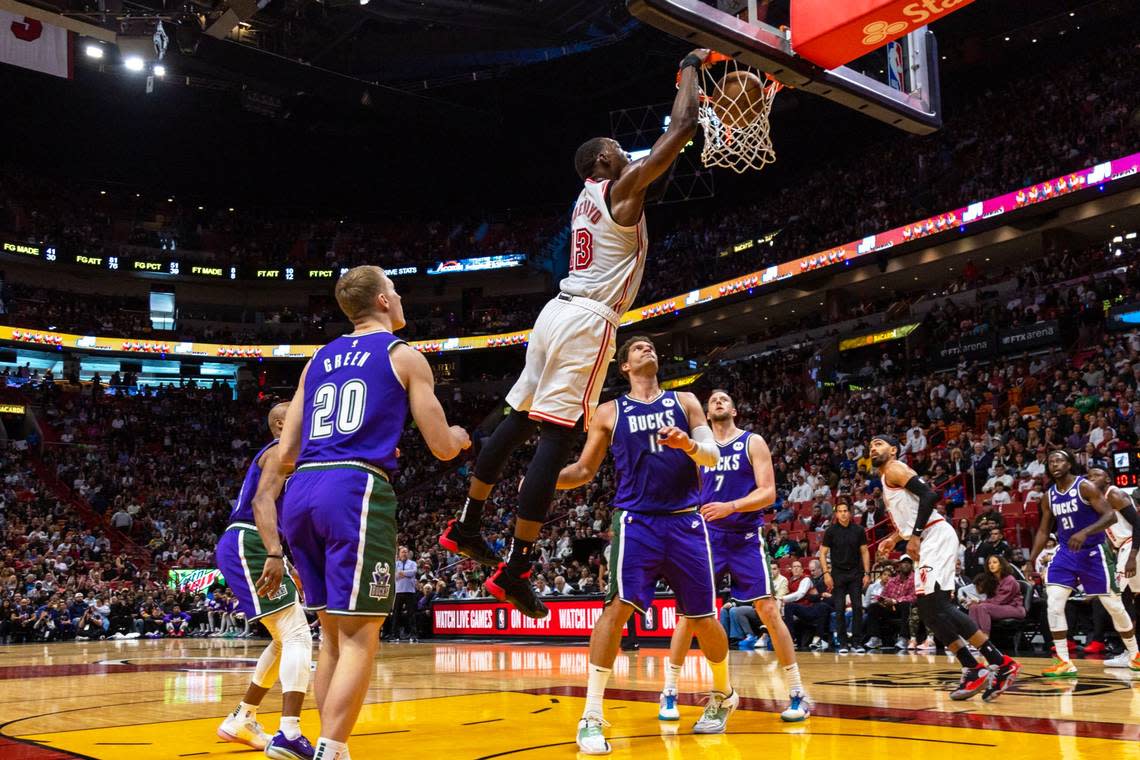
1055	599
266	670
290	631
555	443
1114	606
511	433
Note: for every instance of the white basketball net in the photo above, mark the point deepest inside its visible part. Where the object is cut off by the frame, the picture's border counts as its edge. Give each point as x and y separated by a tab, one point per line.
748	144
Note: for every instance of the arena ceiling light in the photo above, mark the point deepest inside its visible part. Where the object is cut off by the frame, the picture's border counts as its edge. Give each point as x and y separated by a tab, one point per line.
159	70
94	51
134	63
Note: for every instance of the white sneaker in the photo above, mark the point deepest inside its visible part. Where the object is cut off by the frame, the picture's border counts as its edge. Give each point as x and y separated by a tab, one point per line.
591	737
667	709
901	644
1121	660
927	646
874	642
247	732
714	719
798	710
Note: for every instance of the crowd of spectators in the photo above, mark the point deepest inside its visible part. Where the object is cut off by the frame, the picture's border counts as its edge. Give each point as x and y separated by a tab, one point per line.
1061	117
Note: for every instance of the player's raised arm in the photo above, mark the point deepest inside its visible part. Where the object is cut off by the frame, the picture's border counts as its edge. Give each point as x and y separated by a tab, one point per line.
582	471
627	195
414	372
269	487
290	446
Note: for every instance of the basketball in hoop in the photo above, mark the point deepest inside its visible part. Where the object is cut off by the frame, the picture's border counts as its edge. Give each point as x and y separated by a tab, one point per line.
735	105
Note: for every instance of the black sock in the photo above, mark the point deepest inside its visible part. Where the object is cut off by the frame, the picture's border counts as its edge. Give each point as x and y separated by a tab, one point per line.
521	558
471	517
992	654
966	657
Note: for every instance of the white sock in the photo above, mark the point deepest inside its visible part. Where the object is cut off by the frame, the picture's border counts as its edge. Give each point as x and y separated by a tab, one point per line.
246	711
290	726
1062	649
595	690
1130	645
327	749
792	676
672	675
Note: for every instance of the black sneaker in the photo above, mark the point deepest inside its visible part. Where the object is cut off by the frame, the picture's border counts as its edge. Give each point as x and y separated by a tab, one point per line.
471	545
1004	676
516	590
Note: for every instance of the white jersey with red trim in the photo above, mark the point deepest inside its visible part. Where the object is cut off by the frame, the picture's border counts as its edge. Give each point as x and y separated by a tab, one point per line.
902	506
607	259
1120	532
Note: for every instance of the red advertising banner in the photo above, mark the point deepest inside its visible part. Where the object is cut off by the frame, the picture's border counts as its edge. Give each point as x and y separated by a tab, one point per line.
568	618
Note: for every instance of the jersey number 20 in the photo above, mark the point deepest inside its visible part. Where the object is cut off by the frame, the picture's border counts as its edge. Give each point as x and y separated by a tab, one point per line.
583	255
342	406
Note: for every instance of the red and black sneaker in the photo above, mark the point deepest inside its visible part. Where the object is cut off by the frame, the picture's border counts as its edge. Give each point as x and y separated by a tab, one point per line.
1004	676
973	681
516	590
470	545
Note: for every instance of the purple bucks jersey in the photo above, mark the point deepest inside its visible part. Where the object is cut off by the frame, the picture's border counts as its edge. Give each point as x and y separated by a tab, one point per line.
355	405
1073	514
652	478
732	478
243	510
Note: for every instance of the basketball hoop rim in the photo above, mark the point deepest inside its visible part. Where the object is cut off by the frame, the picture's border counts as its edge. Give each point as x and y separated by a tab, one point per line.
772	86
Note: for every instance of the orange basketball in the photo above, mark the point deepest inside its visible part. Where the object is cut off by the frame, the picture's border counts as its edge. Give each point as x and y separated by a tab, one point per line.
740	99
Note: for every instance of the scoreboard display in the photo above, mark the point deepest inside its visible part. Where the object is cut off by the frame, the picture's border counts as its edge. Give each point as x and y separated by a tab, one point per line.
1126	468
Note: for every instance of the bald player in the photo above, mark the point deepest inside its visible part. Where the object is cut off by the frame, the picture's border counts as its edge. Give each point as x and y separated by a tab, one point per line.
251	548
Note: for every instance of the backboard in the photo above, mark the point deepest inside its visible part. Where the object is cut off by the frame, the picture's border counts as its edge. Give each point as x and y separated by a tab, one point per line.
897	84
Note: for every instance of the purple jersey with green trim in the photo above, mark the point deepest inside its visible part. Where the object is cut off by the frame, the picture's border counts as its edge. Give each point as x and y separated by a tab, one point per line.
243	510
732	478
355	405
1073	514
652	478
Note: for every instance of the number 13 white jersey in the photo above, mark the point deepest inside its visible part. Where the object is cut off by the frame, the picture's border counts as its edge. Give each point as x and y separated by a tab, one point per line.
607	259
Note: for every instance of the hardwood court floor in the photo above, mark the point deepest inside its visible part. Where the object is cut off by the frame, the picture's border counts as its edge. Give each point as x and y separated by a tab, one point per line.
163	699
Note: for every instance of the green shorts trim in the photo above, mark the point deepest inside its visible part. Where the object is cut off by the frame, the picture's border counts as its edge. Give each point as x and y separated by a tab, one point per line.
253	554
374	587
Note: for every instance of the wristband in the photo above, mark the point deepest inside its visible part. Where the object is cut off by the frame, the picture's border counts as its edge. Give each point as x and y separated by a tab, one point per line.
693	449
690	60
275	556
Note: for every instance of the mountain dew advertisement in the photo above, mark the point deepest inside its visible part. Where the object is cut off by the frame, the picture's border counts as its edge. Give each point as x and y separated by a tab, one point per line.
193	581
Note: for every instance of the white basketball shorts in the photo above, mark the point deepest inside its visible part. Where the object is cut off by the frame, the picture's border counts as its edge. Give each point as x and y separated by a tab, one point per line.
937	559
566	360
1121	581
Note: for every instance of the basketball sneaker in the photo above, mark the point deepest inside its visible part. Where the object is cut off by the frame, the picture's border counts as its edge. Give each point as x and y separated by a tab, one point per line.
243	731
667	706
748	642
516	590
591	736
973	681
282	748
470	545
1094	647
1060	669
1003	677
1121	660
715	717
798	709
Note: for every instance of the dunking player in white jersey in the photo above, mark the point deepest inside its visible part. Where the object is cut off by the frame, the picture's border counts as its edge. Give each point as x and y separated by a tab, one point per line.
933	544
573	341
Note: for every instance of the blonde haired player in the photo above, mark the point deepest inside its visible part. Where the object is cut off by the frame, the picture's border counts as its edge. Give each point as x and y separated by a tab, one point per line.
572	342
933	544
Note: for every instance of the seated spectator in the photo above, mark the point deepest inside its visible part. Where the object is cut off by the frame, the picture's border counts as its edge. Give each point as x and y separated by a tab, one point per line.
806	611
999	476
1000	496
1003	598
889	612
